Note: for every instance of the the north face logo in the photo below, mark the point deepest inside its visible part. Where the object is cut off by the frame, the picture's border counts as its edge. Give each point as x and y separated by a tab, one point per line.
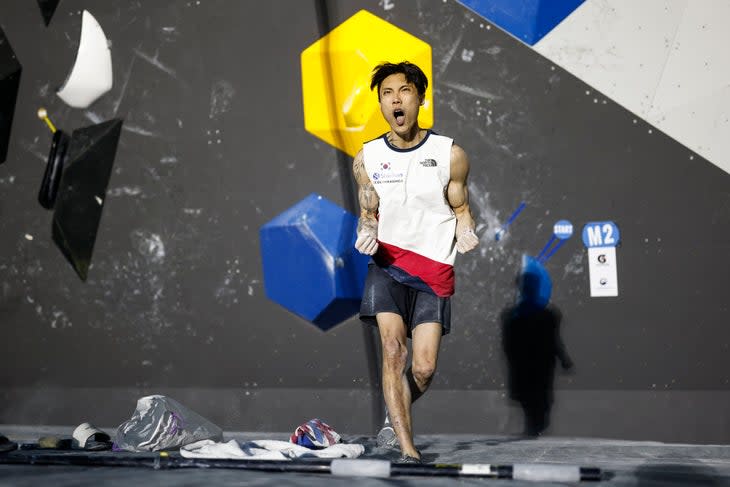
428	163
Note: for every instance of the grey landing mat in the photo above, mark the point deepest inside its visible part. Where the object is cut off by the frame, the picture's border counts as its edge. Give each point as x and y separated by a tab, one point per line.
628	463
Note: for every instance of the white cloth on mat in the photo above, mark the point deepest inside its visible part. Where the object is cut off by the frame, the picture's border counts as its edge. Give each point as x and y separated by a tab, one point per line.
266	450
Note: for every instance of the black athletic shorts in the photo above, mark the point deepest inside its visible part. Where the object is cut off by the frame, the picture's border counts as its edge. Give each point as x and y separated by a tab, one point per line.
383	294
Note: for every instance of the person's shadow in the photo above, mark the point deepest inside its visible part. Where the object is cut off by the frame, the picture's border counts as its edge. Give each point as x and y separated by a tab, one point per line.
531	343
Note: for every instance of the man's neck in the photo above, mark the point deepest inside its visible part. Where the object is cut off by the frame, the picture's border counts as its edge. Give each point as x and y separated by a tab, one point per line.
411	139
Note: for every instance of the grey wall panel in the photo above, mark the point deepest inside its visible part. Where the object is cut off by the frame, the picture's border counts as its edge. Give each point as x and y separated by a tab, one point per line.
213	147
175	297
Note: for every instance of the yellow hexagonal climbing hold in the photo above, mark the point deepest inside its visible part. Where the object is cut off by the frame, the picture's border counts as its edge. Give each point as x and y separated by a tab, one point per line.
339	106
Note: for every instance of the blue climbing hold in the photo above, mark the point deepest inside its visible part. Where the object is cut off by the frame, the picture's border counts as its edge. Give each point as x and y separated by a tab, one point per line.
310	264
527	20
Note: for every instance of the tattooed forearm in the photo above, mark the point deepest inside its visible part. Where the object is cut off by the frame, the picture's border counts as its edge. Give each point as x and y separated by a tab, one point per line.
368	209
367	197
368	225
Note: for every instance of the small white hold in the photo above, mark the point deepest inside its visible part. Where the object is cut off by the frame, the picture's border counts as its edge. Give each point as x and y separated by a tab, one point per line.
99	200
28	236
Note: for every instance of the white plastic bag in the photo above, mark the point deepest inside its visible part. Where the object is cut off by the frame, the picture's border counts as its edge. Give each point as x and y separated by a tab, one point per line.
161	423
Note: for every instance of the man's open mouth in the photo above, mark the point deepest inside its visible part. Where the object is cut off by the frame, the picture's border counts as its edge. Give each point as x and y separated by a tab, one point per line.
400	116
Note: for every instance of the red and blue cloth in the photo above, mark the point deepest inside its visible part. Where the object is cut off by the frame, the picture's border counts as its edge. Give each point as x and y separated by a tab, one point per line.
415	270
315	434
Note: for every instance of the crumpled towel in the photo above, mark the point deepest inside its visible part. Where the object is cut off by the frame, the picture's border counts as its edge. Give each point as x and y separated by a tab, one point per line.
266	450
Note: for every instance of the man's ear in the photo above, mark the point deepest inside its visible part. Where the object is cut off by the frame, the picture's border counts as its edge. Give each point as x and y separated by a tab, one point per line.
423	100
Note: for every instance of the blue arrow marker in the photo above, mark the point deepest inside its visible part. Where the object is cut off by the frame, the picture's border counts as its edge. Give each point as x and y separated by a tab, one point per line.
562	231
503	229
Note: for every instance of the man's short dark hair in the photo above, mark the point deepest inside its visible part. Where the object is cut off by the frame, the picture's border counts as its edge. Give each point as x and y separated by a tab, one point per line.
412	73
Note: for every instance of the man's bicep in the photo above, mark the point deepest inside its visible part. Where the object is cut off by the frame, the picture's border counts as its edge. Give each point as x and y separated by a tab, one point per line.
457	193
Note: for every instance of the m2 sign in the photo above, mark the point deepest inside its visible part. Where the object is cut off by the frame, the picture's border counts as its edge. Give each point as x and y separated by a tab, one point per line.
600	234
601	238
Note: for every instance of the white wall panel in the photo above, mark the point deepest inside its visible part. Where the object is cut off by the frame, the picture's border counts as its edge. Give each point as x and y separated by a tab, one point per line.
665	60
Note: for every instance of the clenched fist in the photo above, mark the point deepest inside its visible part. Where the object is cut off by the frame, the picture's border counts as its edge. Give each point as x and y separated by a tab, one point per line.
466	241
366	243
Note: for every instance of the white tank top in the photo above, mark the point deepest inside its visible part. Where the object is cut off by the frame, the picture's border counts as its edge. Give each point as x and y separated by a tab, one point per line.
414	214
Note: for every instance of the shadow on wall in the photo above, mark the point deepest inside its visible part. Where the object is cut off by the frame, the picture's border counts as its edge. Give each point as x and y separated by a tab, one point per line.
531	342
